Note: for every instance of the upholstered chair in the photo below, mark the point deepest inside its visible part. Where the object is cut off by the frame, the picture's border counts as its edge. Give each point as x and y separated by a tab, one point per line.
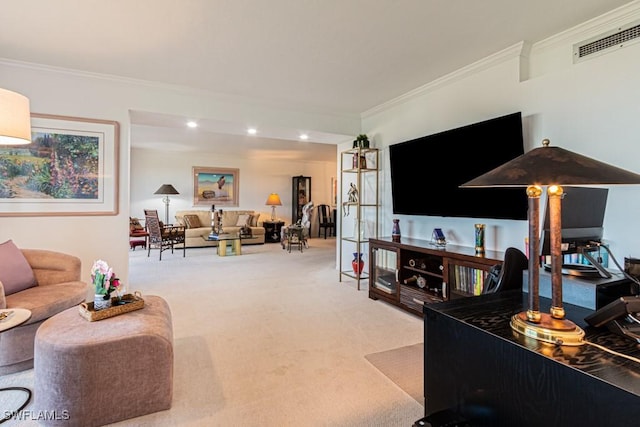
53	286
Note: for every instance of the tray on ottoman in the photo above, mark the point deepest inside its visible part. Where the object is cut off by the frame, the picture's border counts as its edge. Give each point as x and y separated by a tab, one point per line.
125	304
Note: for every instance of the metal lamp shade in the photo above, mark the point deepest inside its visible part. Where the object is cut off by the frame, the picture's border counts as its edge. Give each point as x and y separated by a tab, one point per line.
166	189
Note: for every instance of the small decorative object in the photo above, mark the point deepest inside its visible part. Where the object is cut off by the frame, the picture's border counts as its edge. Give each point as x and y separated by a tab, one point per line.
395	231
352	198
438	237
357	263
104	283
479	238
359	161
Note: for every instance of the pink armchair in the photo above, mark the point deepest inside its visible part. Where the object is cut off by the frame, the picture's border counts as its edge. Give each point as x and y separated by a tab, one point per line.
58	288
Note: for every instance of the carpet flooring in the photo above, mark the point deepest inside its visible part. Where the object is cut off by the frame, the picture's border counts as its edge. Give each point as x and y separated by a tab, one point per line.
404	366
267	338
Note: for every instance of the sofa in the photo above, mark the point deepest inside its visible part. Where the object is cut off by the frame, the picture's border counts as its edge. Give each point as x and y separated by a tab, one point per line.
197	225
55	286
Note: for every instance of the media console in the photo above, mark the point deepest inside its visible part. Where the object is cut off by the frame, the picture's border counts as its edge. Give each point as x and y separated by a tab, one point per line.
411	272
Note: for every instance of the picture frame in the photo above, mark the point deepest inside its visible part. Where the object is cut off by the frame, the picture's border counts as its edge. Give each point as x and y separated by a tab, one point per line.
216	186
69	169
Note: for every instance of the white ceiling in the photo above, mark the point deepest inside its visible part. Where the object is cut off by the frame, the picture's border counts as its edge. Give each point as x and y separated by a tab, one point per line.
332	56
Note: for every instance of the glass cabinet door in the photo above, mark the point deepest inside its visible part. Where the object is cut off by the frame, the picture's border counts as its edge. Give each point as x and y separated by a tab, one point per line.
384	270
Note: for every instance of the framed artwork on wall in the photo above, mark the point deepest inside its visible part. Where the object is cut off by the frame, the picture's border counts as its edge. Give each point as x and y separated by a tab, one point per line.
215	186
70	168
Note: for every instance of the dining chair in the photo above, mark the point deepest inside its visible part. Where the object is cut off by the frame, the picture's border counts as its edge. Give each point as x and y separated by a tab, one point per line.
325	220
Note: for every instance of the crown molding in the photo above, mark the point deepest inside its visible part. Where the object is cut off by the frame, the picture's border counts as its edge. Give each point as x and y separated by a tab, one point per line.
512	52
603	23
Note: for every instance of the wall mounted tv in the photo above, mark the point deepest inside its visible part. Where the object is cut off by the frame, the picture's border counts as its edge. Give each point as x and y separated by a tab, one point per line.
426	172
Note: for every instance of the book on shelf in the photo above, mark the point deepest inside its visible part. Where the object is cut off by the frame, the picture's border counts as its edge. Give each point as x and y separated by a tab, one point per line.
383	286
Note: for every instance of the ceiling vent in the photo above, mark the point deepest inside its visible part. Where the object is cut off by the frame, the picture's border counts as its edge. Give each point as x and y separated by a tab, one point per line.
607	42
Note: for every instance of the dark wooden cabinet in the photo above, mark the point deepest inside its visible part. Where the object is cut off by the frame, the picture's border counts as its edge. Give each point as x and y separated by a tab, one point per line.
301	193
478	369
272	231
414	272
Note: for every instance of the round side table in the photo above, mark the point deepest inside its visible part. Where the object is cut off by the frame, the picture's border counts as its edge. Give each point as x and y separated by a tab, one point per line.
10	318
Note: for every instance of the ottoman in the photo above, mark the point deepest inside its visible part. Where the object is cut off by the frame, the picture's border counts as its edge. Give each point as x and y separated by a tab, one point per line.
96	373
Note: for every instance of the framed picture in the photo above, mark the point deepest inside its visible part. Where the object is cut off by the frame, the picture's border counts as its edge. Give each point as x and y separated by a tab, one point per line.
70	168
215	186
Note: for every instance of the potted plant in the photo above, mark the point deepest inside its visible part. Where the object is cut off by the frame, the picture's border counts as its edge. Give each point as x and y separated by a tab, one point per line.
361	141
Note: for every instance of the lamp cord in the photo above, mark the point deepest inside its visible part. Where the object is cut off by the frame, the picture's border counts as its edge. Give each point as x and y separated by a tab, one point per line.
615	353
615	261
11	414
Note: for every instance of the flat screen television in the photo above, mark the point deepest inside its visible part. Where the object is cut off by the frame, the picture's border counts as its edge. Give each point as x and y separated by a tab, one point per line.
426	173
581	218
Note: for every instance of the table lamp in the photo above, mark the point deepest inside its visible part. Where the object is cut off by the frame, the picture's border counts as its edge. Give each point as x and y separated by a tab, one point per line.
273	200
166	190
551	167
15	119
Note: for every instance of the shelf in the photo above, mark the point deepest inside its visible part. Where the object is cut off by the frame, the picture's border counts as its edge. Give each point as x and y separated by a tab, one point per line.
363	209
426	273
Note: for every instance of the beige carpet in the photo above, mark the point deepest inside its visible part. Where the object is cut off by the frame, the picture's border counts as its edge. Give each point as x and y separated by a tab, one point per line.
404	366
268	338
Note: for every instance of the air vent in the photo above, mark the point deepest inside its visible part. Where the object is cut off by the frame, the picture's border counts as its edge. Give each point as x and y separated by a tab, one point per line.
604	43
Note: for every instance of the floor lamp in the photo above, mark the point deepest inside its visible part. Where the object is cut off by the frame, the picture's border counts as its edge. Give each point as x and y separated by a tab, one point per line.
551	167
166	190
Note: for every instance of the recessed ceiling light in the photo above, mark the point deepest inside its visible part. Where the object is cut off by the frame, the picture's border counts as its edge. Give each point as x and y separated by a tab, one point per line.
252	131
192	124
304	136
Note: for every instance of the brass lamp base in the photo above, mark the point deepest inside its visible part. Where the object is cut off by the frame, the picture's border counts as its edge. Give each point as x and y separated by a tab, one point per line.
549	330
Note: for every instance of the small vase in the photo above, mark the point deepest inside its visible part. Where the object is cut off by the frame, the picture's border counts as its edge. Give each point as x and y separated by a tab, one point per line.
395	231
357	263
100	303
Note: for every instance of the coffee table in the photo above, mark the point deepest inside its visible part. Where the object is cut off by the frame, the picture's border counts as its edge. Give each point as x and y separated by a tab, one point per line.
228	243
10	318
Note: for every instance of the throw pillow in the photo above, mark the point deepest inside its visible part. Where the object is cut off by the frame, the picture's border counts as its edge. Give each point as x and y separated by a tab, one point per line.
242	220
15	272
192	221
252	221
134	224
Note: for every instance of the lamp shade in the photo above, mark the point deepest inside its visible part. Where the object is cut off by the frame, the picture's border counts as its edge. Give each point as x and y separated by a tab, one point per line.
273	200
15	121
553	165
166	189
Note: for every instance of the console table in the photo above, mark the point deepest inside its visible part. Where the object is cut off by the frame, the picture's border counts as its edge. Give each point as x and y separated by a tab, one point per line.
477	367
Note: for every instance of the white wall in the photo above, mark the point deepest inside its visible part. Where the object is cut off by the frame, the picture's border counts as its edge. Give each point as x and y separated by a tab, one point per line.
258	178
67	93
590	108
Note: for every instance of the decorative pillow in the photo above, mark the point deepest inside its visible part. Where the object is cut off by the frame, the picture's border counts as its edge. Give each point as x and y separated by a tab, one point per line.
252	221
15	272
242	220
134	224
192	221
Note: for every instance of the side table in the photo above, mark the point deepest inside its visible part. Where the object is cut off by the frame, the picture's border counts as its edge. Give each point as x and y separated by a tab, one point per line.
10	318
272	231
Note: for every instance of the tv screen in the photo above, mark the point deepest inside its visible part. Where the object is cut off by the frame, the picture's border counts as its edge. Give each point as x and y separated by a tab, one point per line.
426	173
